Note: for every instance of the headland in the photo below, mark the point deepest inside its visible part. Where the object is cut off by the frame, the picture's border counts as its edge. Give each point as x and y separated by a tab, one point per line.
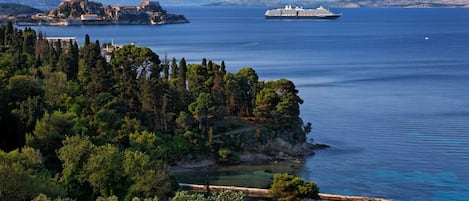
84	12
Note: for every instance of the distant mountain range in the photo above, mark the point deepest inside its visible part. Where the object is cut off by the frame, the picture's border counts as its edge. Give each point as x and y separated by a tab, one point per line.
347	3
16	9
44	4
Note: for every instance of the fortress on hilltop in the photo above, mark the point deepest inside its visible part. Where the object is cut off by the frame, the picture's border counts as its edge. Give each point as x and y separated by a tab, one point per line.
84	12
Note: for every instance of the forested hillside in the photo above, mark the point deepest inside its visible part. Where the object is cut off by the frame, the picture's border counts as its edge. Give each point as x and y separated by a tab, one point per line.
74	125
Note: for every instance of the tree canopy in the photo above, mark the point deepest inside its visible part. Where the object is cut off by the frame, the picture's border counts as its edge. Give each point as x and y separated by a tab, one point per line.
90	128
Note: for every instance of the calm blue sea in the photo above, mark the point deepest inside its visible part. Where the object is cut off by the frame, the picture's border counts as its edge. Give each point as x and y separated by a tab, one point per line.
393	105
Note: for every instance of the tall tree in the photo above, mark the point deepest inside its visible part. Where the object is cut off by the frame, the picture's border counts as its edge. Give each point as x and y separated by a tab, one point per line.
12	40
204	109
42	46
223	68
174	69
182	75
204	62
90	55
218	87
151	97
197	76
69	61
165	68
126	62
232	94
29	41
248	79
100	80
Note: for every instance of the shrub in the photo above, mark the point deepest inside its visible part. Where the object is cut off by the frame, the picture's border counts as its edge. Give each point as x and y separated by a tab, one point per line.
287	187
216	196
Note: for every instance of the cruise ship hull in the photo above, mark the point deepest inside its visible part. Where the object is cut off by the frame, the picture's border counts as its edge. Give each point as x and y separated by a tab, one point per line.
328	17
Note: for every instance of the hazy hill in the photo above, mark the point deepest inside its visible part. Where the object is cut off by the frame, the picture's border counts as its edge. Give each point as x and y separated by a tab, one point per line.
404	3
17	9
35	3
346	3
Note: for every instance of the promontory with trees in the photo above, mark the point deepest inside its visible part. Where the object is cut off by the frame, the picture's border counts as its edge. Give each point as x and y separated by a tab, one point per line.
76	125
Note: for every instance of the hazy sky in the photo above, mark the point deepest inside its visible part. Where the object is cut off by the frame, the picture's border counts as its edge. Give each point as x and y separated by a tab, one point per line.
163	2
185	2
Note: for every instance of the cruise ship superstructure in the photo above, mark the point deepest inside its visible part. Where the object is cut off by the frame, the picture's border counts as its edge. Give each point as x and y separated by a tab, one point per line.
290	12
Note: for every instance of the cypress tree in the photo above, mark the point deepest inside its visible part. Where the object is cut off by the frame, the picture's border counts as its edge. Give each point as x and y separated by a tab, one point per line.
71	61
174	69
182	75
42	46
165	68
9	35
223	68
204	62
87	40
29	41
2	37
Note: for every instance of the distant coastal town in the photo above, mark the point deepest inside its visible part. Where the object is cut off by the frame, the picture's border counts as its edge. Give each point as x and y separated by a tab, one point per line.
84	12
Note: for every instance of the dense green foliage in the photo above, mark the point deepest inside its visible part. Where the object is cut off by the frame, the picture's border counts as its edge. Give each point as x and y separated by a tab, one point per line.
86	127
292	188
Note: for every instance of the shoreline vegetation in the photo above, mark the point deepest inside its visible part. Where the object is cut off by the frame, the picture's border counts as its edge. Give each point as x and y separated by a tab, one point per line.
254	158
77	125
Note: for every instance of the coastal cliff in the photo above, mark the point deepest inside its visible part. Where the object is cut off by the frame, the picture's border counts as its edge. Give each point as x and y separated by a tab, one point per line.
84	12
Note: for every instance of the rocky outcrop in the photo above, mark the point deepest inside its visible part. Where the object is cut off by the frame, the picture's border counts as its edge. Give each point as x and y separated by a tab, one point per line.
298	150
279	149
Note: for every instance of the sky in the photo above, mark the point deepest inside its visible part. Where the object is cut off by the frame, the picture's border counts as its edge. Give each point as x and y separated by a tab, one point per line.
163	2
184	2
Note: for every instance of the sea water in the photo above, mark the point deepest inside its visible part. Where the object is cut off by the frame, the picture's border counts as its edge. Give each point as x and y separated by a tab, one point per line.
388	89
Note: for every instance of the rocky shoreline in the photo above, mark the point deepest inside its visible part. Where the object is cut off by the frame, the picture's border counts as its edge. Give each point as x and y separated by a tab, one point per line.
277	150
